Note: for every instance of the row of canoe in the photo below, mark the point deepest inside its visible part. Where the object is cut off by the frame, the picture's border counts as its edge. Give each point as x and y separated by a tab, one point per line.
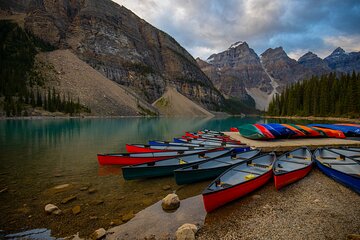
275	130
237	171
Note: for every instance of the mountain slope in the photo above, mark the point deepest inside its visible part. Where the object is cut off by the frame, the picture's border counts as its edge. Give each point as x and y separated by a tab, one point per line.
122	47
74	77
173	103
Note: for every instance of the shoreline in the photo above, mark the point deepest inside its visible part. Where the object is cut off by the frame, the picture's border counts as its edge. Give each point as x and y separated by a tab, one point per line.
339	119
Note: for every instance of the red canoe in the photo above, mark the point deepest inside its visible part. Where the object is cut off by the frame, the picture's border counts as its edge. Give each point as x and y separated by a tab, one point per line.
292	167
238	181
139	158
234	129
264	131
144	148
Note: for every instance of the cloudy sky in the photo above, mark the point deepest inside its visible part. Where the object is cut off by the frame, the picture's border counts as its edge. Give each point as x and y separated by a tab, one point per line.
204	27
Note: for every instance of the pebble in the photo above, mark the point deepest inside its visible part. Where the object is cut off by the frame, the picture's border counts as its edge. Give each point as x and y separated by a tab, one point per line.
170	202
84	188
52	209
256	196
3	190
316	200
166	187
93	218
76	210
99	233
61	188
69	199
187	231
97	202
92	190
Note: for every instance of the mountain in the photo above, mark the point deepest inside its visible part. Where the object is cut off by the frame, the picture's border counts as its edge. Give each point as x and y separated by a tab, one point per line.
236	71
312	62
282	68
341	61
122	47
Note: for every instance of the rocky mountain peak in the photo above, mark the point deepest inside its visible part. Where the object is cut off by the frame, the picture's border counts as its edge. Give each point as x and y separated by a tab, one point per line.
237	44
276	53
307	56
338	51
317	65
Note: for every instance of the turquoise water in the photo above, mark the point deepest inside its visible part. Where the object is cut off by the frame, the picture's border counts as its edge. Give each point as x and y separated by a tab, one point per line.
37	155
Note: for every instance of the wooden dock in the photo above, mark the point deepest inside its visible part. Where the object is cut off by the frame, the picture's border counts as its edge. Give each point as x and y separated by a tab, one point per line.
282	145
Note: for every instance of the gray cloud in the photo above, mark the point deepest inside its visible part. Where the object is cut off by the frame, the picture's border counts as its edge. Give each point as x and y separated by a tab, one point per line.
208	26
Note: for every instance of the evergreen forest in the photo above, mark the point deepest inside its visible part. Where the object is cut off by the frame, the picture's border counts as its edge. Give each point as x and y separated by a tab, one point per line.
331	95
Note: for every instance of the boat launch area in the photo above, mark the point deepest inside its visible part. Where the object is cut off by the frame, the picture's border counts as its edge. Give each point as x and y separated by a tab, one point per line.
282	145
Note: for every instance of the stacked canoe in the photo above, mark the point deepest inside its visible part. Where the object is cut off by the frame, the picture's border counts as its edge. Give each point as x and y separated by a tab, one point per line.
235	169
276	130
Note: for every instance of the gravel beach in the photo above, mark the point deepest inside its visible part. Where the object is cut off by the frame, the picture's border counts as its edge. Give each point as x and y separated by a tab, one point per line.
315	207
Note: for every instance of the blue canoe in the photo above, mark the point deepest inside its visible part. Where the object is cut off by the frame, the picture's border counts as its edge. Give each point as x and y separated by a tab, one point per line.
236	147
349	131
342	169
278	130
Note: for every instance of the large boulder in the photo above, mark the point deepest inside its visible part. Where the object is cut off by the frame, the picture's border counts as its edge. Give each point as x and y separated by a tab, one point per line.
186	232
170	202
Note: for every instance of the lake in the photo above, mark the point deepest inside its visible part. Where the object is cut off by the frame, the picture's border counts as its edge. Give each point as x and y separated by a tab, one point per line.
38	155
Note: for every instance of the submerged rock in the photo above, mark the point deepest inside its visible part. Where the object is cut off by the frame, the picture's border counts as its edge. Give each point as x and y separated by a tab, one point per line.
99	233
62	186
68	199
166	187
170	202
76	210
187	231
92	190
52	209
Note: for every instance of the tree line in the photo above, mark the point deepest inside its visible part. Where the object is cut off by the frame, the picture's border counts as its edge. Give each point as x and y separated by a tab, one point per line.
330	95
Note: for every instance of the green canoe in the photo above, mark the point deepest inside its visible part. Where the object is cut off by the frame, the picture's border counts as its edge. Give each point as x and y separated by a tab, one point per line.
211	169
251	132
166	167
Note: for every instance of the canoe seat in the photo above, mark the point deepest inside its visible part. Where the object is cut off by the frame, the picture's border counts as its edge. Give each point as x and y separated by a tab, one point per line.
299	157
250	176
283	160
182	161
259	165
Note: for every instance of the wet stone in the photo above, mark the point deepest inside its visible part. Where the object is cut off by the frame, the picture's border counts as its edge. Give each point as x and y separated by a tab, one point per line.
69	199
92	190
76	210
99	233
166	187
84	188
97	202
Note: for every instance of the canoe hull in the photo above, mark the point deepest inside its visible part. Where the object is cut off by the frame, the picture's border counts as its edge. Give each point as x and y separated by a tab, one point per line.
345	179
130	173
282	180
182	177
124	160
213	200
